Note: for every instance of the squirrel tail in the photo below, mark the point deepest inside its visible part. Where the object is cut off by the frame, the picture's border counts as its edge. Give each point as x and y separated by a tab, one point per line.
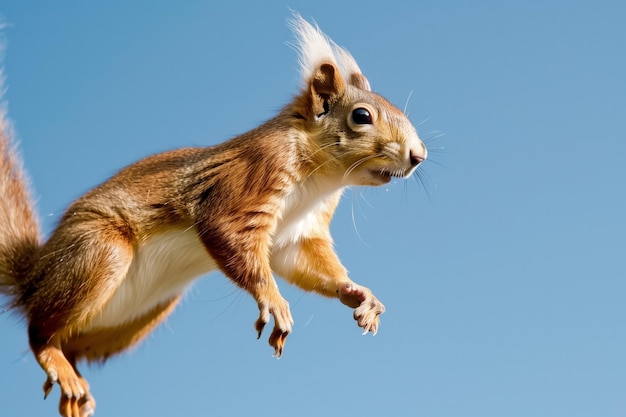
19	228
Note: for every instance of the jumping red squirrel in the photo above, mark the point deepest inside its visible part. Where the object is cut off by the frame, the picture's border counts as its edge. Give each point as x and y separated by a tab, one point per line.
123	254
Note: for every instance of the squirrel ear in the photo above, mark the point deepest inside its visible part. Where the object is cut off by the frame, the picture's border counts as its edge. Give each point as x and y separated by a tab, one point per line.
325	85
359	81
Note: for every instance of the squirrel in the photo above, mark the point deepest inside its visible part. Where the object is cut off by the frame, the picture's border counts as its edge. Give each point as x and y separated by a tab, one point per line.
124	253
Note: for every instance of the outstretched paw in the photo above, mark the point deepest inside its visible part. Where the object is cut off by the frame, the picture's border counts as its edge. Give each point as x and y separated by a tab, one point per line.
282	323
367	308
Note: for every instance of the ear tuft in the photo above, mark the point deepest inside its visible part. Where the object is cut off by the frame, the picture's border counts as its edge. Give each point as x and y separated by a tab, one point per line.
350	68
315	49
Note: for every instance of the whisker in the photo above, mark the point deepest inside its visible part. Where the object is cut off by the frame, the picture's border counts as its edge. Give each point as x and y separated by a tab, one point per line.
439	149
406	104
322	148
435	136
319	166
405	190
434	161
355	165
352	167
327	161
234	303
356	229
423	121
362	195
423	179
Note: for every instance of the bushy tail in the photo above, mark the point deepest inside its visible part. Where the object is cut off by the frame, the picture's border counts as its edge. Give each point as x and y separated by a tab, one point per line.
19	229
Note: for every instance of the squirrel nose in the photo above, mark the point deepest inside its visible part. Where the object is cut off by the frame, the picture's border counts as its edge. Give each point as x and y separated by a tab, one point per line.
416	157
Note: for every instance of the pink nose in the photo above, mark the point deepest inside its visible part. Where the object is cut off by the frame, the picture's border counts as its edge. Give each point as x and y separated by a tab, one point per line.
416	159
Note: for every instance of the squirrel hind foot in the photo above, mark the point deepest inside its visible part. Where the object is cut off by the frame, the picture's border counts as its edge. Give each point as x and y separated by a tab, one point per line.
76	401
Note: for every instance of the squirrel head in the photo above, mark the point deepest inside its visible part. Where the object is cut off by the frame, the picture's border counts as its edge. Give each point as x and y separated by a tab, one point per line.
351	131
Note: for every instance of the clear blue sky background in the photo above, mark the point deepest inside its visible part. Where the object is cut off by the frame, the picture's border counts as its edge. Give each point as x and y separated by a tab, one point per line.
505	283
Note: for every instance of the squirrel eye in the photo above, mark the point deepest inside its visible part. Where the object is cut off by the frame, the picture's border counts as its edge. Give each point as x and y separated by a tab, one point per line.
361	116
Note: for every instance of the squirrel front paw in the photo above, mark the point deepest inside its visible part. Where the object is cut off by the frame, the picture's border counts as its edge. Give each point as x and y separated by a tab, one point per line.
367	308
282	323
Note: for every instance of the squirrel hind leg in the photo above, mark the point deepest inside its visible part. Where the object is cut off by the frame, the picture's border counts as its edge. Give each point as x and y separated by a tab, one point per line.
70	294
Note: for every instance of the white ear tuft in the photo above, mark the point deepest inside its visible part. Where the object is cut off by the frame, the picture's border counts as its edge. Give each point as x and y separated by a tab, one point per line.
312	45
350	69
315	48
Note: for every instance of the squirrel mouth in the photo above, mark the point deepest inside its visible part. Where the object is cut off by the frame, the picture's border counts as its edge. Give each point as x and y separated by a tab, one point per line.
383	175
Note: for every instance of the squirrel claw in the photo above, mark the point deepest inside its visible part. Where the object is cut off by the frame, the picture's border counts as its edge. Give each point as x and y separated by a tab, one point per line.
259	325
48	385
277	341
264	318
282	324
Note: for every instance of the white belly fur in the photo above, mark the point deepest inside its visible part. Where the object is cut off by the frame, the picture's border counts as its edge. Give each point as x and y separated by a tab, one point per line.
164	266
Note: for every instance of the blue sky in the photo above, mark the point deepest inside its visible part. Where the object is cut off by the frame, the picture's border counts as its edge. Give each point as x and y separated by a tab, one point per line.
503	277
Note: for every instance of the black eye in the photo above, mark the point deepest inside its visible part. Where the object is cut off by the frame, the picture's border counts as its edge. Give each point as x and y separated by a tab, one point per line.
361	116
